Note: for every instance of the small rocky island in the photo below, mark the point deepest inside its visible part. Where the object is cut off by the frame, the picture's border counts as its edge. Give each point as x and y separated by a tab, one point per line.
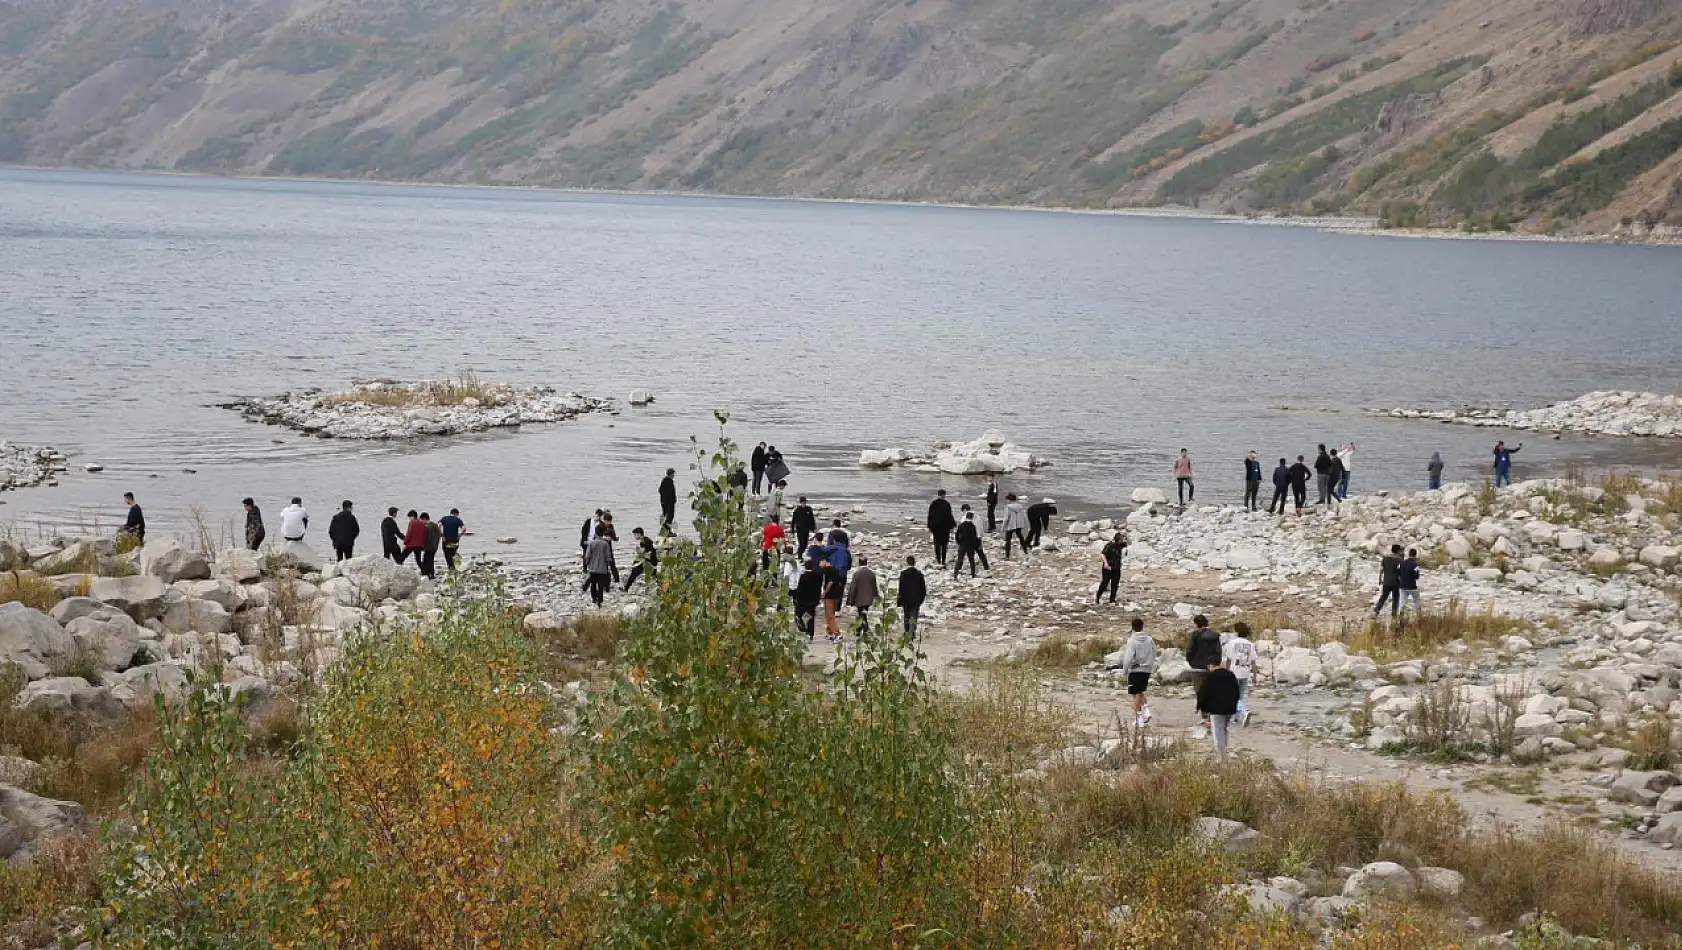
990	454
384	410
1598	413
24	466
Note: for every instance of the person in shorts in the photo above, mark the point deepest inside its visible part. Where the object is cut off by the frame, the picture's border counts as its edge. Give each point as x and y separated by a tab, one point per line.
1139	660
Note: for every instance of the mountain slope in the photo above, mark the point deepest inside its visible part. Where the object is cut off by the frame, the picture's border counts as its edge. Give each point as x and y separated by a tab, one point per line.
1559	115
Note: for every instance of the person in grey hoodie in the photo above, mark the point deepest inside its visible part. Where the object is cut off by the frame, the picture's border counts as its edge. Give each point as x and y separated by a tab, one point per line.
1138	659
1016	524
598	563
862	592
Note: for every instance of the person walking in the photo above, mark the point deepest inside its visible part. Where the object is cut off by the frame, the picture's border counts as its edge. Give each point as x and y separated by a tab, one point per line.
992	504
1217	701
862	593
135	523
1346	468
1434	469
1182	478
808	594
1407	580
294	521
343	530
1039	520
913	590
1239	655
1334	478
1138	660
647	559
969	546
414	540
1203	652
774	503
1281	487
757	461
608	531
770	540
587	533
434	538
598	568
1110	567
838	534
1252	481
668	501
391	536
453	528
941	525
1504	462
1299	484
1323	476
804	521
1390	582
254	531
834	588
1016	524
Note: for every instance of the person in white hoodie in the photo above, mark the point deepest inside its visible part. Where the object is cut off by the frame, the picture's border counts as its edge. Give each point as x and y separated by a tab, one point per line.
1239	655
1346	455
1139	660
294	520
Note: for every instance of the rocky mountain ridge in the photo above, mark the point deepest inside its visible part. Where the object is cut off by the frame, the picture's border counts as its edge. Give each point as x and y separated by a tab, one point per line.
1556	117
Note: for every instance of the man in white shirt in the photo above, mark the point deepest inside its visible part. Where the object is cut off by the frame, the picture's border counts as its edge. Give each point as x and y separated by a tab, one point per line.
1346	455
294	520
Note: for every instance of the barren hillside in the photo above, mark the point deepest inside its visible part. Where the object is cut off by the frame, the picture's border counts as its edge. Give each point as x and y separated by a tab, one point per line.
1542	114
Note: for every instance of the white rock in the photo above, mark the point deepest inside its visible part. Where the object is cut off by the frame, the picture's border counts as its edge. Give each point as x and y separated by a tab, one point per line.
1658	555
140	597
169	560
1149	496
1570	539
1381	880
1536	725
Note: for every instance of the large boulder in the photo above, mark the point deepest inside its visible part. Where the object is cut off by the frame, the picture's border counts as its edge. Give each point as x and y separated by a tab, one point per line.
1641	788
1668	830
1658	555
140	597
1223	835
1149	496
1295	666
190	615
373	579
108	634
37	820
135	688
1380	880
169	560
300	555
1440	883
239	565
75	559
31	640
882	458
63	694
13	555
71	608
222	591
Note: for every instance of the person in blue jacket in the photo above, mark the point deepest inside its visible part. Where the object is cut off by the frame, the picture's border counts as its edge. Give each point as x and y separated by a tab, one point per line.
1504	463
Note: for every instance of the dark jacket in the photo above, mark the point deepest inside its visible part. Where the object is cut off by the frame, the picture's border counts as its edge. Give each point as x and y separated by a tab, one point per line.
803	519
941	521
1203	649
808	591
434	535
1039	515
254	531
1219	695
1322	464
1281	476
1299	475
969	536
864	589
1408	574
390	533
668	492
646	552
1252	470
738	481
1335	472
992	493
834	583
415	538
838	536
136	523
343	529
1389	571
1112	555
913	589
584	533
758	460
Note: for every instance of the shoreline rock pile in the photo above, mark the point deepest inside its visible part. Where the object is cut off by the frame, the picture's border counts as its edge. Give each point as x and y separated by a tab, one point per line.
380	411
1598	413
25	466
989	455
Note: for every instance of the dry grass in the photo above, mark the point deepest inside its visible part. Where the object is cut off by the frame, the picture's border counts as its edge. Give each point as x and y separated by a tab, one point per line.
28	588
1423	633
1061	653
87	759
1652	745
38	901
438	392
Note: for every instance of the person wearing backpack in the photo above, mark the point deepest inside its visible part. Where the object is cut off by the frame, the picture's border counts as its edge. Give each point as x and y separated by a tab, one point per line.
1203	652
1407	577
1239	655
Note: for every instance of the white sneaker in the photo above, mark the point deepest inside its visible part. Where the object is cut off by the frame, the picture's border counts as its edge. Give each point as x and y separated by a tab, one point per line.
1139	721
1146	716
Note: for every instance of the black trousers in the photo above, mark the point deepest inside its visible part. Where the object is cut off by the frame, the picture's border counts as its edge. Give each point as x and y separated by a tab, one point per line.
942	540
864	619
1281	495
801	536
428	562
1110	580
1033	540
393	552
597	585
342	554
1252	494
636	572
450	555
806	619
1300	494
1391	594
410	552
668	514
1017	534
992	516
909	616
758	479
971	554
1187	488
255	541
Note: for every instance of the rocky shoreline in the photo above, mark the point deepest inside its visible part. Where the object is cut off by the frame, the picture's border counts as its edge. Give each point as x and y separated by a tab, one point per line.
25	466
1598	413
385	410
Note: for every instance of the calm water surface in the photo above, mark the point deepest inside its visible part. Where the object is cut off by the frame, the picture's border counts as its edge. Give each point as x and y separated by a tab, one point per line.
129	305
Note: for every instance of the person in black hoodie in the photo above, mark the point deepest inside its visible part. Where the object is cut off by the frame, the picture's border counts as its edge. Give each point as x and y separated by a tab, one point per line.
1252	482
135	524
1217	701
1299	483
1039	521
913	590
1203	652
254	531
1281	487
804	521
668	501
758	463
1334	478
941	525
1110	572
992	504
342	531
1323	476
808	594
391	536
645	557
1390	582
969	546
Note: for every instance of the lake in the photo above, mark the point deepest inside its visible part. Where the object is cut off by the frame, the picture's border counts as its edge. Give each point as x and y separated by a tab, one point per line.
132	304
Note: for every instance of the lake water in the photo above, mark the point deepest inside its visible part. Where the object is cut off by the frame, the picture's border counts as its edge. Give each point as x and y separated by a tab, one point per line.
132	304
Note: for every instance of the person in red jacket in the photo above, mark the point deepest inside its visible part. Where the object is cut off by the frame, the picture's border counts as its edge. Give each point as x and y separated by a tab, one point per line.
770	539
414	539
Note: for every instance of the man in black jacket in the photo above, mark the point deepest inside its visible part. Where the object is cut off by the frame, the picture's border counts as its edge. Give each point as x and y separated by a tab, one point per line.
668	501
804	521
1252	482
1323	476
758	463
992	504
645	557
1390	582
1110	571
136	523
941	524
913	590
1039	521
342	531
254	531
969	546
808	594
391	537
1203	652
1299	483
1281	487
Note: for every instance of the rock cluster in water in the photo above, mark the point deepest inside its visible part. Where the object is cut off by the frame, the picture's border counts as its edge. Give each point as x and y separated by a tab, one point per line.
387	410
1599	413
989	455
24	466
